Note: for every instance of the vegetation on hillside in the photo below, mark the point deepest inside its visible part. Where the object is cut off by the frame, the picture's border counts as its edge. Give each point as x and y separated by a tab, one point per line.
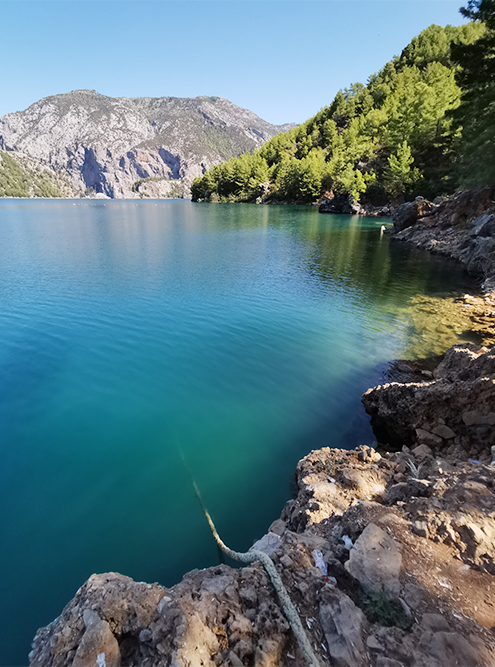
393	138
476	113
18	180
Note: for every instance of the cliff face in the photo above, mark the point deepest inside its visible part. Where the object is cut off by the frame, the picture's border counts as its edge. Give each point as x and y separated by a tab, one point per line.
109	145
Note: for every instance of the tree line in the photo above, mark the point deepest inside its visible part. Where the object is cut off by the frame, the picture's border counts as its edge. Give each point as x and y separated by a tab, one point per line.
424	124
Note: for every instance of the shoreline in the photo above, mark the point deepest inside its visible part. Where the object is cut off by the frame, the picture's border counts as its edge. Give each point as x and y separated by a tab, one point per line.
407	538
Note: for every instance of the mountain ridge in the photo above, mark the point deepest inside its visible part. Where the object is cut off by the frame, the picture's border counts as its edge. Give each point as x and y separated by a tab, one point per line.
112	145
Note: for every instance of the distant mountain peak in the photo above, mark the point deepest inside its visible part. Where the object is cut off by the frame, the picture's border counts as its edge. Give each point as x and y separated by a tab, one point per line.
130	147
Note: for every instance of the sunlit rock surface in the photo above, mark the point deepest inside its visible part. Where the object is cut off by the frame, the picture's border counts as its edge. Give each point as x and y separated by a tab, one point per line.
409	543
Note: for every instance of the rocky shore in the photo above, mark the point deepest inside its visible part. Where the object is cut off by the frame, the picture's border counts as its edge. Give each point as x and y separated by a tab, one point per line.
387	553
407	540
461	227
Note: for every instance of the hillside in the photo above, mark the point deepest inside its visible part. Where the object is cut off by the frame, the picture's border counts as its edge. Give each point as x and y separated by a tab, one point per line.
113	145
390	139
26	177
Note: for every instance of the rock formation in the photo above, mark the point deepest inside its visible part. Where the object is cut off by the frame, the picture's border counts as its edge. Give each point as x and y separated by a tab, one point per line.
388	557
461	227
123	147
452	412
409	543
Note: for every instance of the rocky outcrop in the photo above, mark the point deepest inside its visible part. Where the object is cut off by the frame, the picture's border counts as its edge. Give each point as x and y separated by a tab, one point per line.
112	145
461	227
342	204
388	558
452	412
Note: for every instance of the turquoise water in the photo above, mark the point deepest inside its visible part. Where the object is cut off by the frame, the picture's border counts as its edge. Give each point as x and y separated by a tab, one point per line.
133	334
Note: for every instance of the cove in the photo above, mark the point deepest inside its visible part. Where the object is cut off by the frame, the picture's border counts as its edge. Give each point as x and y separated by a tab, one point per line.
140	336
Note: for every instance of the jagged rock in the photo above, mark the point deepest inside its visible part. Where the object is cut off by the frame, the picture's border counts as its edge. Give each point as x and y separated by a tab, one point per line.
98	647
407	214
462	395
438	586
461	227
340	204
343	624
483	226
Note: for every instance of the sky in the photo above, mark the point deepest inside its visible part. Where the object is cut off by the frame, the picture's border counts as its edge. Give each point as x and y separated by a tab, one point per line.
283	60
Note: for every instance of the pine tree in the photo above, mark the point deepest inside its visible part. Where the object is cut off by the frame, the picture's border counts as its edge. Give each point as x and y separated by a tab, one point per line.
476	112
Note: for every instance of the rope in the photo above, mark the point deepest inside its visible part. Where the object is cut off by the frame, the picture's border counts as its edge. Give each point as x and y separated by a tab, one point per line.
287	605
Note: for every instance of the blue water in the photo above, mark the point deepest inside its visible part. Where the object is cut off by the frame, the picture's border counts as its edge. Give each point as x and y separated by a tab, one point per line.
136	334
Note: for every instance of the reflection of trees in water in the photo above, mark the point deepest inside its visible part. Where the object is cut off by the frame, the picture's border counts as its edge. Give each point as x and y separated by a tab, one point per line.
389	280
387	273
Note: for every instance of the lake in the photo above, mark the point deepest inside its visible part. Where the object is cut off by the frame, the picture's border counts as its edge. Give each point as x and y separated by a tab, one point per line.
140	339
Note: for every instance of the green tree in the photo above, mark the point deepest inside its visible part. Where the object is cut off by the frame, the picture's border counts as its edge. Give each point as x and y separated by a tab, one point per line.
476	112
400	174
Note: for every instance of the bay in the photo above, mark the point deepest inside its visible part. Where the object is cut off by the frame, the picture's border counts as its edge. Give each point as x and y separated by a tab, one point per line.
145	342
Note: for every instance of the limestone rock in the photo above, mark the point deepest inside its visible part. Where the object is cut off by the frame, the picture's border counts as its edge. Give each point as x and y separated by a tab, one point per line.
394	598
407	214
458	405
98	647
461	227
343	624
375	561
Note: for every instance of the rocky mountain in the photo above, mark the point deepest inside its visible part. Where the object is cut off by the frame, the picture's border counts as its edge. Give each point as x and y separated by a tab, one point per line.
122	147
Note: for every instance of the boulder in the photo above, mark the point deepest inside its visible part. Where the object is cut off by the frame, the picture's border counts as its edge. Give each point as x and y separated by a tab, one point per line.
484	225
375	561
341	204
343	624
407	214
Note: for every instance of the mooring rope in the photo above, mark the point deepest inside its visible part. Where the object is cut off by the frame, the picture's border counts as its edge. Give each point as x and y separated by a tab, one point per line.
250	557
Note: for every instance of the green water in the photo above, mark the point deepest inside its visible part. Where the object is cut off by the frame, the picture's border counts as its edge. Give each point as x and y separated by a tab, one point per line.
133	333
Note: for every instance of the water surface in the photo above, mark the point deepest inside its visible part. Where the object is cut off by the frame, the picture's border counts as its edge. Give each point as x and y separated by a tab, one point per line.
136	334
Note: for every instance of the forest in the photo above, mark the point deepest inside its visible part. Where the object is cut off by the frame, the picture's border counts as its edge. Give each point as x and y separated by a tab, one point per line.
424	124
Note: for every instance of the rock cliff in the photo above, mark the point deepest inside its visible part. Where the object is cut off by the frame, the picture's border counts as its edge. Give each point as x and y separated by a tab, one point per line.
123	147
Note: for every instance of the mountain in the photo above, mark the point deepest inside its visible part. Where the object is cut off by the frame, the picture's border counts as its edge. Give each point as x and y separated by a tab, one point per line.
124	147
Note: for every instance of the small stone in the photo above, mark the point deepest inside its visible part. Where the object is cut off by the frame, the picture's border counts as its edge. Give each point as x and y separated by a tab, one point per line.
145	635
444	432
434	623
278	527
373	644
163	603
269	544
475	418
428	438
421	451
90	617
420	528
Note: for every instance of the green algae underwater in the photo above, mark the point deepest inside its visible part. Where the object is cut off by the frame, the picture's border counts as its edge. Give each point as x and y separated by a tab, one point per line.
241	335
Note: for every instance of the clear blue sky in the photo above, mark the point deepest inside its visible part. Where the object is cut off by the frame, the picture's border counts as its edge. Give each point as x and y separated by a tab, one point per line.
282	60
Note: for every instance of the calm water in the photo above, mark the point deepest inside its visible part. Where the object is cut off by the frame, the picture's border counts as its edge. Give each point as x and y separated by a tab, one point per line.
135	333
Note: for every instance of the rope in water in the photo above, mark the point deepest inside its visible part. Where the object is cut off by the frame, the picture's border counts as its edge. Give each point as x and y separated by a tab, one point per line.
287	605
